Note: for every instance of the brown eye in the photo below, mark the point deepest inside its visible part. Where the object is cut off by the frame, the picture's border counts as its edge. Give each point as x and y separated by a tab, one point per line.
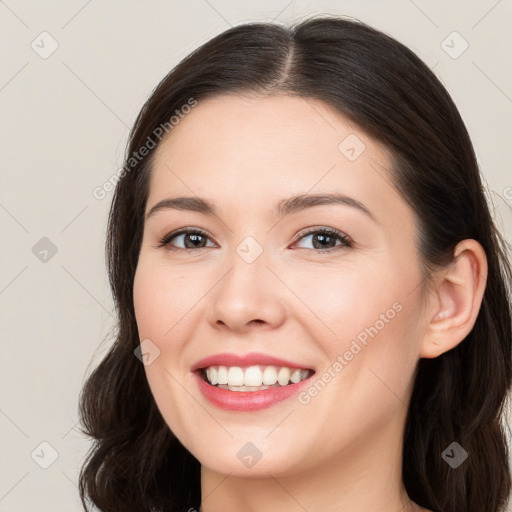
325	239
187	238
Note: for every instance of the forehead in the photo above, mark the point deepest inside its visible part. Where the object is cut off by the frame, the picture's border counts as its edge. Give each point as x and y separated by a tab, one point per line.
268	127
251	152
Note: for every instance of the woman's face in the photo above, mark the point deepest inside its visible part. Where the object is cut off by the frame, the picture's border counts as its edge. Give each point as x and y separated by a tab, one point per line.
265	293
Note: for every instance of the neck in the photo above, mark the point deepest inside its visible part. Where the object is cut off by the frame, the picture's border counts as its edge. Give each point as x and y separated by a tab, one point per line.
365	476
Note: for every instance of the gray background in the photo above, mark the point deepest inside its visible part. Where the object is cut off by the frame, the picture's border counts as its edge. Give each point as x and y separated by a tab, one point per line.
65	118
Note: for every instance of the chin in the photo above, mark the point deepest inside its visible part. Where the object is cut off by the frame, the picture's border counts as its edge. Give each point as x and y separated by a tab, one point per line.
248	456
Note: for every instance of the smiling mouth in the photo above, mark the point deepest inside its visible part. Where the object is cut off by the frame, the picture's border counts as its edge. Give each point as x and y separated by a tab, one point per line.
253	378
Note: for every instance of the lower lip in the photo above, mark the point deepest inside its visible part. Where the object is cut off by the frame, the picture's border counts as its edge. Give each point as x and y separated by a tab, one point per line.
247	400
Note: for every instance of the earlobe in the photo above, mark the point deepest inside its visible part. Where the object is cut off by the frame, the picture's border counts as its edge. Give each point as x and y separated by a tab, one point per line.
455	299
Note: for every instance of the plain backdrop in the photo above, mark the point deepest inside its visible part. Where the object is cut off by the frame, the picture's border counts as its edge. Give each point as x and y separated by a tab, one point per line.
73	76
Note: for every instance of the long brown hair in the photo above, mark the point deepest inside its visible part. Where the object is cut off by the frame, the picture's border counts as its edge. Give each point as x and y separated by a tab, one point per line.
136	463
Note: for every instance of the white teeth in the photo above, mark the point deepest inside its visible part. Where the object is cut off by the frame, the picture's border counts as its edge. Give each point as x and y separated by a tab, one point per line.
213	375
235	376
296	376
269	376
254	376
222	375
283	377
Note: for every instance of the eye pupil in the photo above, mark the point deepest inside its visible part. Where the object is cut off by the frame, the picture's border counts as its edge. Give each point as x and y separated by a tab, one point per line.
194	237
324	238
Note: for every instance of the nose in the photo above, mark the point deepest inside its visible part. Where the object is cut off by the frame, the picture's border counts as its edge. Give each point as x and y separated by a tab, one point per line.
248	296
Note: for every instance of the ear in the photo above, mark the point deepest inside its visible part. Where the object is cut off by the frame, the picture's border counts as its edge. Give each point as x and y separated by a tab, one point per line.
455	299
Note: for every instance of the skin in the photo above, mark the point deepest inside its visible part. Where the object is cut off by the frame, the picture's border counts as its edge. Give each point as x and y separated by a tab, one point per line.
342	449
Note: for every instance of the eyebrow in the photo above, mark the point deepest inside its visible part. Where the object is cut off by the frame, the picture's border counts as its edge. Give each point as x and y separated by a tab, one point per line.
284	207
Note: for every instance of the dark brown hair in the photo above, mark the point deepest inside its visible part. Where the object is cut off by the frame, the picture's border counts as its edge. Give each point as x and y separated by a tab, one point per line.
136	463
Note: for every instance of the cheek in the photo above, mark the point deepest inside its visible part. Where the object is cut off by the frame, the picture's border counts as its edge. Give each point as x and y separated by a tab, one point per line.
161	302
343	301
378	344
162	298
369	316
149	302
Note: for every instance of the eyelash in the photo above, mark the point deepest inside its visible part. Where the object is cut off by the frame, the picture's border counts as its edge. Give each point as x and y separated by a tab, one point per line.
345	240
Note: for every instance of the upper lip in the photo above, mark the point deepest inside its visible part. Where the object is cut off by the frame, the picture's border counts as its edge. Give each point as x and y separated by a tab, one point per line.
251	359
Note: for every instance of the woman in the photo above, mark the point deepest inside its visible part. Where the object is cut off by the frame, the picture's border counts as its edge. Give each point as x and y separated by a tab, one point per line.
312	295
